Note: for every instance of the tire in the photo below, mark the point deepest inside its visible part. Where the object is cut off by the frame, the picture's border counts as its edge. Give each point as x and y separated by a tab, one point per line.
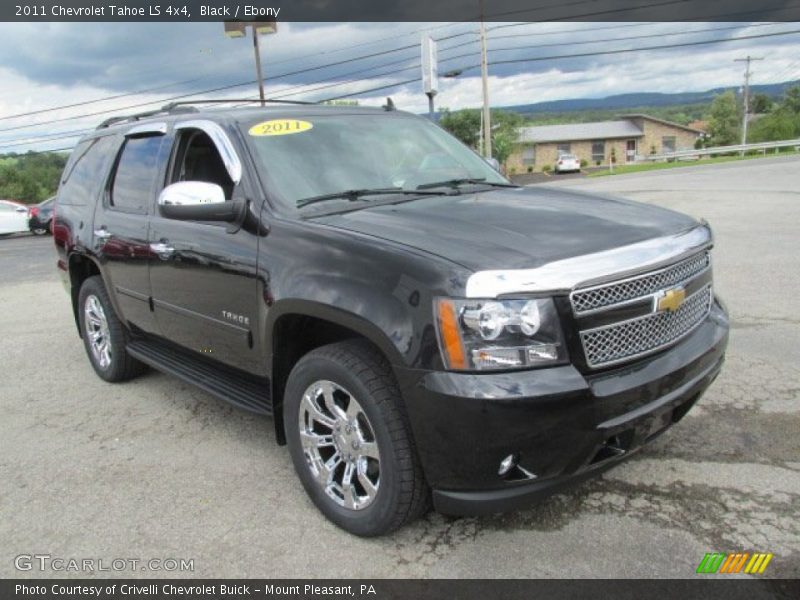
109	332
355	370
39	231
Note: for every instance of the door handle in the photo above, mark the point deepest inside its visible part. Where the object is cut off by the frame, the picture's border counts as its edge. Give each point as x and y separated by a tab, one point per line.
163	249
102	233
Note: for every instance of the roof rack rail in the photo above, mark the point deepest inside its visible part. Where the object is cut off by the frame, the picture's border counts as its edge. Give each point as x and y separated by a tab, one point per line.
167	109
172	105
187	106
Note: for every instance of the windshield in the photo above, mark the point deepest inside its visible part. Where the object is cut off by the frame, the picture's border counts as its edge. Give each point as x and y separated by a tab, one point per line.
321	155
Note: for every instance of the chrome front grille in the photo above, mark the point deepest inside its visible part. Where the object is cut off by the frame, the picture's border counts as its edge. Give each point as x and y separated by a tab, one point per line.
597	298
626	340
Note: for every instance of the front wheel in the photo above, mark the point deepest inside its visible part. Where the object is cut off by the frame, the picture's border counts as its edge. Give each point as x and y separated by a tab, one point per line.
350	440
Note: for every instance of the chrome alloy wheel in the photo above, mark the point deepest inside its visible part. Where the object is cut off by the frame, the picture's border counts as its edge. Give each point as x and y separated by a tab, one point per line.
339	445
96	326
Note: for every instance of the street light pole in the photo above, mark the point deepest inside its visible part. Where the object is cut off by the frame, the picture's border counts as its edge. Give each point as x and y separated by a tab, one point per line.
487	119
257	50
238	29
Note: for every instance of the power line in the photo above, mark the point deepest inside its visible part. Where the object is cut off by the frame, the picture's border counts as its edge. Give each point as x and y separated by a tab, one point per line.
629	50
223	88
105	99
302	71
562	56
619	39
207	91
591	14
759	11
272	63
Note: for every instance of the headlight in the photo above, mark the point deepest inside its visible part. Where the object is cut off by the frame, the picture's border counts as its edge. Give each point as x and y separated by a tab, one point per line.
498	334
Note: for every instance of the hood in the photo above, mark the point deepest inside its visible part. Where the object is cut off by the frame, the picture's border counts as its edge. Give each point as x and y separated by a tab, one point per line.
513	228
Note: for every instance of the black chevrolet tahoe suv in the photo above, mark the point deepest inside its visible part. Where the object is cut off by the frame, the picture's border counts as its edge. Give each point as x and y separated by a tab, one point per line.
420	329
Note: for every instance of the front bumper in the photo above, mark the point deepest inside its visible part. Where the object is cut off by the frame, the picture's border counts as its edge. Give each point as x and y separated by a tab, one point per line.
564	426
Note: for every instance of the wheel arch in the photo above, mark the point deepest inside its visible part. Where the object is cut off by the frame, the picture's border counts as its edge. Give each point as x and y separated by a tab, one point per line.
300	326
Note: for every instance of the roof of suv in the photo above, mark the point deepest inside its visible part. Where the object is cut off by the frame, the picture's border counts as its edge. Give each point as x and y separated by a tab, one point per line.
227	114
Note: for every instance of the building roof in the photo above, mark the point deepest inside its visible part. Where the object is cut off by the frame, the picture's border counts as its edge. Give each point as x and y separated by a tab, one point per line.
662	121
699	125
573	132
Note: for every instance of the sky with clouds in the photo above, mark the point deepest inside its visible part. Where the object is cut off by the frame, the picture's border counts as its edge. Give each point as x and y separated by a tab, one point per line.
138	66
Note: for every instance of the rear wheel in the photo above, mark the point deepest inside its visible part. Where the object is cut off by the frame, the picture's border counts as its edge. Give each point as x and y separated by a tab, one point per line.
40	230
104	335
350	440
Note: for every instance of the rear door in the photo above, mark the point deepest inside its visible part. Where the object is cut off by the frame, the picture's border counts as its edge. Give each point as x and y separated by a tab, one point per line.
204	278
121	223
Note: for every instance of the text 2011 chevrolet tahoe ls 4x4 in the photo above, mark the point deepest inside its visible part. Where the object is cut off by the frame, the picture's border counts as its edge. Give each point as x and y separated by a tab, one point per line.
419	328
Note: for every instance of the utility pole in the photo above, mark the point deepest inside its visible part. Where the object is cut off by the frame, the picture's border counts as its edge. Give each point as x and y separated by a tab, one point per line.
487	118
746	95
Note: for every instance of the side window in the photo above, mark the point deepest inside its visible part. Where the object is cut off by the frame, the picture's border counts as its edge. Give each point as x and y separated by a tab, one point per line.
136	173
529	156
197	159
84	174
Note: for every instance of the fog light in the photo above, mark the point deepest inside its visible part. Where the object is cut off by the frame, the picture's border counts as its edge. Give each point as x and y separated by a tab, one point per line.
508	463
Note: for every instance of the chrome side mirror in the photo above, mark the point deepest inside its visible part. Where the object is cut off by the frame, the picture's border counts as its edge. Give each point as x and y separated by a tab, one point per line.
199	201
191	193
493	162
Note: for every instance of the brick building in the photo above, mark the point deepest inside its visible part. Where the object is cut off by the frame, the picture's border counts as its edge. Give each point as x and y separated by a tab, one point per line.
628	136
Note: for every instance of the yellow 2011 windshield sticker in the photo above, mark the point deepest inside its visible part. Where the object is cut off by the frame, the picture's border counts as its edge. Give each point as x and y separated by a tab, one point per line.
280	127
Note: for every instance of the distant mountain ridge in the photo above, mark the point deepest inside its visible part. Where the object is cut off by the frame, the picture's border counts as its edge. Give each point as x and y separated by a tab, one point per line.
638	99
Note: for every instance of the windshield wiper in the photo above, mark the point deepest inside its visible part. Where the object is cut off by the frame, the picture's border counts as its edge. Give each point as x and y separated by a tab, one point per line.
354	195
454	183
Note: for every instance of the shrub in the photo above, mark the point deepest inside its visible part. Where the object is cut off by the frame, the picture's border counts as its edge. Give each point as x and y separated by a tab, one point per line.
547	168
530	169
584	163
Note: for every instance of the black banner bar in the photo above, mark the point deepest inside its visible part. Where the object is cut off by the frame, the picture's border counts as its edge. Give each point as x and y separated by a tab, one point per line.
400	10
706	587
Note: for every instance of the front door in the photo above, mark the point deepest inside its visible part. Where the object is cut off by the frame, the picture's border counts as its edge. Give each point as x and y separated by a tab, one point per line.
204	279
630	151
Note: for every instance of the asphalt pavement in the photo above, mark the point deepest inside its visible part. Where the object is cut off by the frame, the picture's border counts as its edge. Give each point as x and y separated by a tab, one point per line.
156	469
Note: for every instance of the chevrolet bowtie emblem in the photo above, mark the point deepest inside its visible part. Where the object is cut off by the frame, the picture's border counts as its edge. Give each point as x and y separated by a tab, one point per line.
670	300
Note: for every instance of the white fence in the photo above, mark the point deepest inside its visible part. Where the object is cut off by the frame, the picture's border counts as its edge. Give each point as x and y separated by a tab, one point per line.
701	152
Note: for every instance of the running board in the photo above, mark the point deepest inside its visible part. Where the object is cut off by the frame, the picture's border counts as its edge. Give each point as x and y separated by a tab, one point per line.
232	385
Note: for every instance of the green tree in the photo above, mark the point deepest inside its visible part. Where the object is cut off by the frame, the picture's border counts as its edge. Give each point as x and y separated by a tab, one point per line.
464	124
724	120
783	123
791	100
505	134
30	177
760	104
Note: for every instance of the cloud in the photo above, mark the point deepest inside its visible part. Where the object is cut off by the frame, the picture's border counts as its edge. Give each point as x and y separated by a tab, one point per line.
45	65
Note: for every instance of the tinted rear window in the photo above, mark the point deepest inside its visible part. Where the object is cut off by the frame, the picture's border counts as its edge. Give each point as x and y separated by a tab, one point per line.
86	171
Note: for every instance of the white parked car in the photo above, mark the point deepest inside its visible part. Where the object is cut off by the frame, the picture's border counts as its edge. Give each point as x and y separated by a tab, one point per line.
13	217
567	163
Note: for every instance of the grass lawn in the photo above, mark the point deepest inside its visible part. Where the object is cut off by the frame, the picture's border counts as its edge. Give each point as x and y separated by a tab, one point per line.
655	166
